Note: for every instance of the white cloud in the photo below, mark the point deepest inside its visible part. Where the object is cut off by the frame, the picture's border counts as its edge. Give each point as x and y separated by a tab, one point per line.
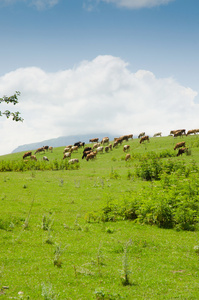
101	95
44	4
134	4
91	4
39	4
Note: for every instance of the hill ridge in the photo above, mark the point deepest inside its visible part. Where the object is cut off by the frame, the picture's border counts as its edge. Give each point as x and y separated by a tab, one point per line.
62	141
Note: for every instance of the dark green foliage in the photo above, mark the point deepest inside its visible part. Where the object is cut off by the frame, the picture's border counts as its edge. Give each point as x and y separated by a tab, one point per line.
13	100
26	165
151	167
173	203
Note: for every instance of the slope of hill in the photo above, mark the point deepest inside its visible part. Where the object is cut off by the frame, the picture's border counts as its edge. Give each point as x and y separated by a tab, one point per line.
103	227
62	141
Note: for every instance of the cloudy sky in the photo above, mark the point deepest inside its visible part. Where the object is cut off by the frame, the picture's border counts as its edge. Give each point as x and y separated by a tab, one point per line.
92	66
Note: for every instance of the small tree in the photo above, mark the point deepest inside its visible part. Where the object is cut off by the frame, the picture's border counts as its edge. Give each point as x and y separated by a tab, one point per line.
14	100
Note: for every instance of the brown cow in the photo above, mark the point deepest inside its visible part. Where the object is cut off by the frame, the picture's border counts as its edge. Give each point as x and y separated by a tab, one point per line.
40	150
50	149
74	148
96	145
91	155
106	149
157	134
66	155
130	136
144	138
141	135
33	157
128	156
105	140
180	131
191	131
73	161
119	140
124	138
86	151
95	140
115	144
178	145
126	148
29	153
67	149
182	150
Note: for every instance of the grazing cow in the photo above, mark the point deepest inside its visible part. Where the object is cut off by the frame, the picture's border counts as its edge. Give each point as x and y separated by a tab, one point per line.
77	144
86	150
50	149
29	153
33	157
66	155
105	140
45	158
124	138
67	149
178	133
82	144
95	140
74	148
157	134
182	150
46	148
191	131
172	132
115	144
126	148
179	145
130	136
182	131
40	150
141	135
73	161
120	140
106	149
91	155
144	138
100	149
128	156
86	153
96	145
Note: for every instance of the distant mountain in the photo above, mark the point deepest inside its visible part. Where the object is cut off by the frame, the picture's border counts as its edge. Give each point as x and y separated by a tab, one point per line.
62	141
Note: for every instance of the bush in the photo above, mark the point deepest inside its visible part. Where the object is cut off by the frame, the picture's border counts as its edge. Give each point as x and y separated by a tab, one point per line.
173	203
22	165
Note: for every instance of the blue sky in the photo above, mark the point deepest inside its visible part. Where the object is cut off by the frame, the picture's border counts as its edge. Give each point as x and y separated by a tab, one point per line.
50	37
163	39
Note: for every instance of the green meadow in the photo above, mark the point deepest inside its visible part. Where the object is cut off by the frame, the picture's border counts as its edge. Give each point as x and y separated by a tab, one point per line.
101	229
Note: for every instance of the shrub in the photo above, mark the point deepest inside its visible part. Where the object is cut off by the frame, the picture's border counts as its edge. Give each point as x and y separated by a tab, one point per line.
173	203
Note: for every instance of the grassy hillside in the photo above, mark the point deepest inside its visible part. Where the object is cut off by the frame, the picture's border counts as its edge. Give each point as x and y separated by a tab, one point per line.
106	229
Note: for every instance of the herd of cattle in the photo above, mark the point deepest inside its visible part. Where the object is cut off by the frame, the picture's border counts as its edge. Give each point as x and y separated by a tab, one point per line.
104	145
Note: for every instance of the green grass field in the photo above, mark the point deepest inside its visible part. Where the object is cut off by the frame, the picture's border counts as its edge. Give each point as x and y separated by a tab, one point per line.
109	229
